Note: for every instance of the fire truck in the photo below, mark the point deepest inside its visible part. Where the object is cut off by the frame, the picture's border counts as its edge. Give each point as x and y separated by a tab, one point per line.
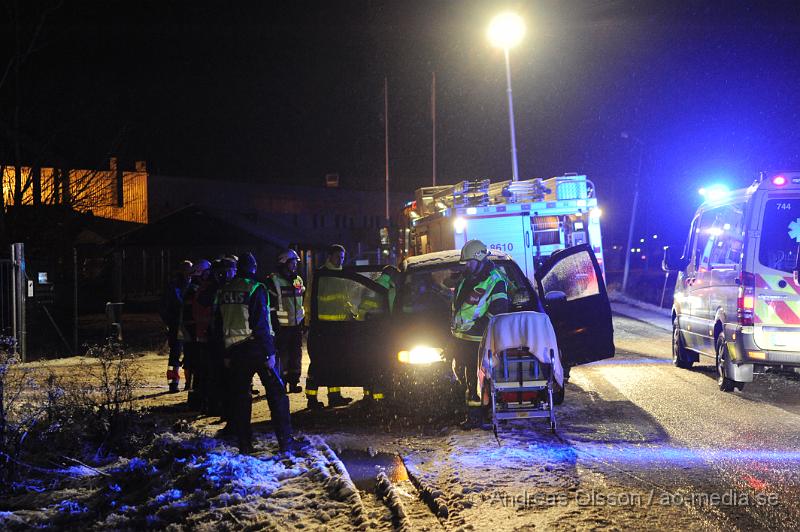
529	220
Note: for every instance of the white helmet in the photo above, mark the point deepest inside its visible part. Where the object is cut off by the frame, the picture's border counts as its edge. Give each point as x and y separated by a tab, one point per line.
474	249
288	255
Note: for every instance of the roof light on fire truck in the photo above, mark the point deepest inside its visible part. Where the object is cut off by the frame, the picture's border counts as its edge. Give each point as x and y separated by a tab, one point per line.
779	180
459	224
596	212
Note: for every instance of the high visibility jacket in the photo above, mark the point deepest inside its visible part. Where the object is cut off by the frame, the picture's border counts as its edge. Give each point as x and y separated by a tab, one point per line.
371	303
288	299
234	302
471	305
333	301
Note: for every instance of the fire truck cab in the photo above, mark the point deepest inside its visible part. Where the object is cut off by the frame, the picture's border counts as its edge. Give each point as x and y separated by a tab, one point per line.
529	220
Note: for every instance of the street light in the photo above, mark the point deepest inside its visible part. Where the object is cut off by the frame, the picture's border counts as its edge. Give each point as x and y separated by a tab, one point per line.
506	31
627	267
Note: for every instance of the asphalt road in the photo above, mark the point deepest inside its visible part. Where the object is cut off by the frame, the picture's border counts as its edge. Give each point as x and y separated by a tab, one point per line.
729	459
641	445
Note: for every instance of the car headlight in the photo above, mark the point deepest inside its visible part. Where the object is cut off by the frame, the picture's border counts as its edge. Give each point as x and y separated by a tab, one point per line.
421	354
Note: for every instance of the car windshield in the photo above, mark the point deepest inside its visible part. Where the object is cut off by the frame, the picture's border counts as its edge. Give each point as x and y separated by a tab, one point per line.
430	290
780	234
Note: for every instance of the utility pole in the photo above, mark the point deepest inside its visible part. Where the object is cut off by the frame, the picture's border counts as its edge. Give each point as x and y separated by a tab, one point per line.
433	118
628	252
386	140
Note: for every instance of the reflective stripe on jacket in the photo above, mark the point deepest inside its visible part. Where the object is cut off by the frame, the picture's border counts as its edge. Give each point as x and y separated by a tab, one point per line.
475	305
289	299
333	301
233	300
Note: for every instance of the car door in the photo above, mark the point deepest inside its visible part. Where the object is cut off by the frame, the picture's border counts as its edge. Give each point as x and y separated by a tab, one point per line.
346	336
582	317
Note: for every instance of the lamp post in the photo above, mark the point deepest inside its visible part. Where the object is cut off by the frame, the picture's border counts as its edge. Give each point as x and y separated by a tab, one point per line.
628	251
506	31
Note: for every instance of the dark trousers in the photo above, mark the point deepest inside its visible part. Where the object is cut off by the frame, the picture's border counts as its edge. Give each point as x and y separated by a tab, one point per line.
196	360
289	342
465	354
247	360
175	348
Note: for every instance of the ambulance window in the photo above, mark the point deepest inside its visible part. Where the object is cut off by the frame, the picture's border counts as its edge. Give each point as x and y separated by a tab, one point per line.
703	241
780	234
726	233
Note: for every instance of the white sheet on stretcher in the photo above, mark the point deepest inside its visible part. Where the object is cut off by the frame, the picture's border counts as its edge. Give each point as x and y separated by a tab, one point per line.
517	329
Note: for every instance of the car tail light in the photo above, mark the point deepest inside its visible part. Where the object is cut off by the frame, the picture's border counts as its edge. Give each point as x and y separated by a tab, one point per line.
746	300
779	180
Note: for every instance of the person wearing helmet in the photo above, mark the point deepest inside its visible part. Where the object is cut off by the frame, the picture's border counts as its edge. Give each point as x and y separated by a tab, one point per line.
223	270
480	294
196	319
286	295
242	321
370	304
171	311
334	305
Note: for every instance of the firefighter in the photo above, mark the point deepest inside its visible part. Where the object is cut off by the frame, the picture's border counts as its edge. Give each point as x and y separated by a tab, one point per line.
197	317
480	294
286	295
333	305
171	311
388	280
242	317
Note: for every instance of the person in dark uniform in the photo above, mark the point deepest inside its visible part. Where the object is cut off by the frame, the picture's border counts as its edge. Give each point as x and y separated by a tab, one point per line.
242	318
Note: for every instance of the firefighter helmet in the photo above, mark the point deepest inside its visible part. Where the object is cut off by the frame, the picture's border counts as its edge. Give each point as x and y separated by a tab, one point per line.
201	266
288	255
474	249
247	263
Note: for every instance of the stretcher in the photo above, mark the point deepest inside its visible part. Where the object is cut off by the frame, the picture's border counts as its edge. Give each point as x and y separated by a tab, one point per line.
520	372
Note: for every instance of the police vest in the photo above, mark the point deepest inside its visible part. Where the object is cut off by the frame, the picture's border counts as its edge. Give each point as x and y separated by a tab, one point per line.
233	300
290	300
475	305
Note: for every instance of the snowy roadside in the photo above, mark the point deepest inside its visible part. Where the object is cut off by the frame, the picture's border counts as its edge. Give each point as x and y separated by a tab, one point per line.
641	311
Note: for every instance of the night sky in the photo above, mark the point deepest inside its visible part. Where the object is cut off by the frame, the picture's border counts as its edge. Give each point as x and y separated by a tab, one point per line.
287	92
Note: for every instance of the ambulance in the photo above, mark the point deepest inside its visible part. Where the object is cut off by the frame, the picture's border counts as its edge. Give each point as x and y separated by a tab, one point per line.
737	299
528	220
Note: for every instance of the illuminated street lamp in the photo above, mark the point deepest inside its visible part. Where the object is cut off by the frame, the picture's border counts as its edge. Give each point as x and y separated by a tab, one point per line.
506	31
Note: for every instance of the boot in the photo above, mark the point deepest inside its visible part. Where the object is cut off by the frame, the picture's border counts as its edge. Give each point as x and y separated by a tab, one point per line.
290	444
173	379
473	419
336	399
314	403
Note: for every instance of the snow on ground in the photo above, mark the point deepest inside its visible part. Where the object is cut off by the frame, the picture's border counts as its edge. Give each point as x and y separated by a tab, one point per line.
189	481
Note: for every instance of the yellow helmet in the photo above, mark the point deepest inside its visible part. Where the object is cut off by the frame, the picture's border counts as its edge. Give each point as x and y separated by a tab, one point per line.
474	249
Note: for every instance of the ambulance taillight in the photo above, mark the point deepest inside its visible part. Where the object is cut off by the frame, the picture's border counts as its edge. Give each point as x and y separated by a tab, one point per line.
745	302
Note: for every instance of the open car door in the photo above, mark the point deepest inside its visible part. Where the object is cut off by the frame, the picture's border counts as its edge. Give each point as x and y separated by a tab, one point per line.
347	329
575	298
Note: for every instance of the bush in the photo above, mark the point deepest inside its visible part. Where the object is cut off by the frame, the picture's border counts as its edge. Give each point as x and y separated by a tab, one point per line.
45	415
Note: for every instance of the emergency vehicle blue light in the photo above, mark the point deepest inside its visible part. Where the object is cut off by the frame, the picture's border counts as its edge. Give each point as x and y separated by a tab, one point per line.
714	192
